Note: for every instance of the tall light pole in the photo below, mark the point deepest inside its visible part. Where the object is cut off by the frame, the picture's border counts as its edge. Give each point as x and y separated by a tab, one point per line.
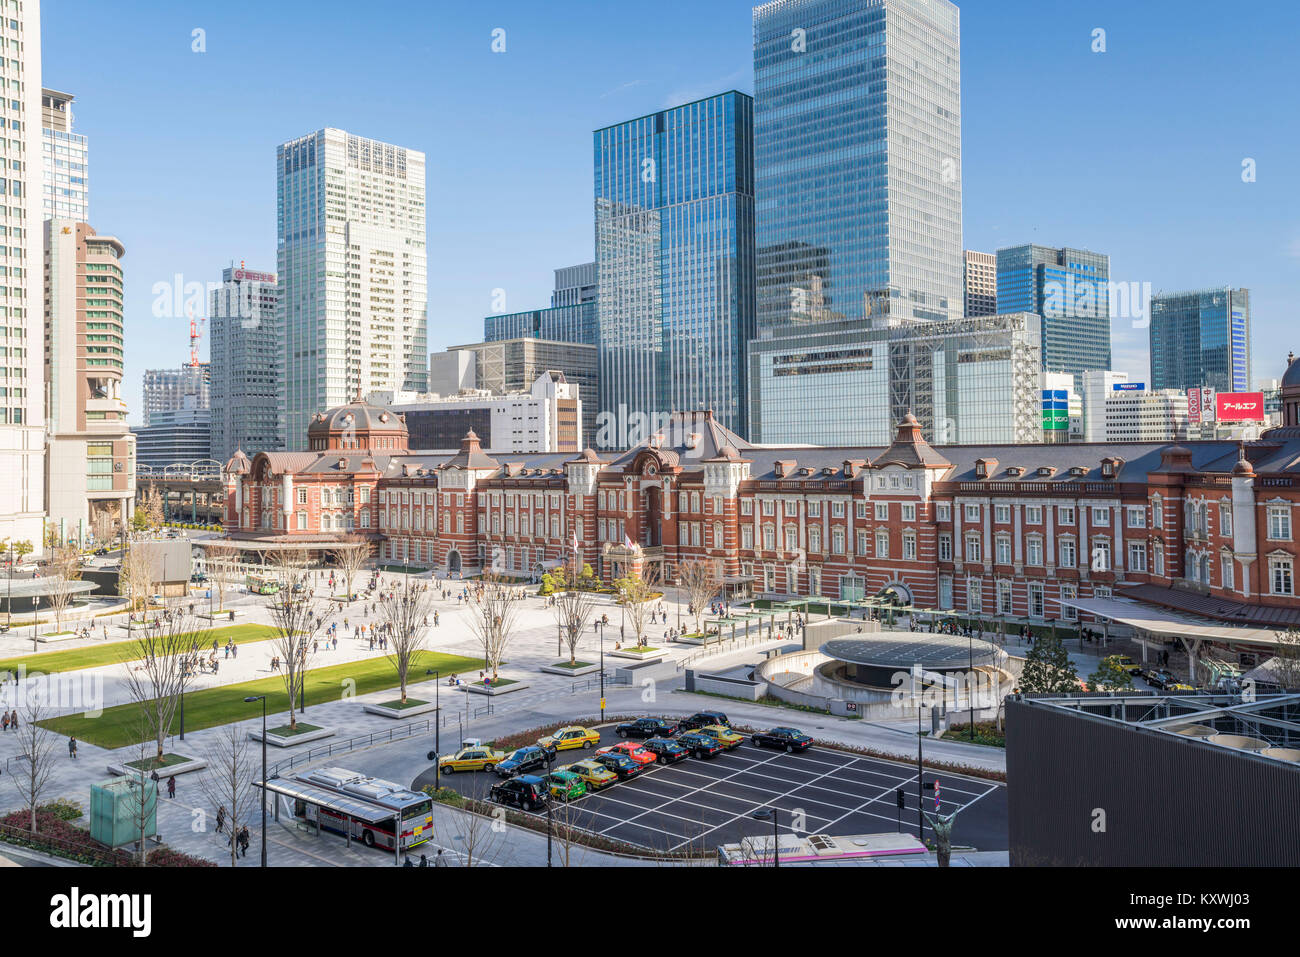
970	678
920	773
437	728
548	833
770	813
249	700
601	625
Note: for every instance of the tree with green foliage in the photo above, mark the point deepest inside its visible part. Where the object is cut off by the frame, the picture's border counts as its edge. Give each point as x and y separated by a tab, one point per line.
1110	676
1048	669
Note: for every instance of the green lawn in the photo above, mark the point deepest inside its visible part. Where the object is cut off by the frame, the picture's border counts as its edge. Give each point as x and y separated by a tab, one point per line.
119	726
93	656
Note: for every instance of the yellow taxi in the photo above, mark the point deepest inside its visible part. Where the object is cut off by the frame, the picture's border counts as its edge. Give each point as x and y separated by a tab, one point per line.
571	738
1179	686
476	758
593	775
724	736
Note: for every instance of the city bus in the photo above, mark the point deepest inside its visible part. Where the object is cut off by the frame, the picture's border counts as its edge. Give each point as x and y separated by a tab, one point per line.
412	809
262	585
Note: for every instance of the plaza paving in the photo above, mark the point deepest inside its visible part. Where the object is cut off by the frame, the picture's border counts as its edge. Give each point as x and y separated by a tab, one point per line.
548	699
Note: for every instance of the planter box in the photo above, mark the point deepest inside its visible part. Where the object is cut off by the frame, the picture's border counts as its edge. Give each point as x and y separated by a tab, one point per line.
223	615
655	655
279	741
560	669
411	709
477	688
54	636
194	764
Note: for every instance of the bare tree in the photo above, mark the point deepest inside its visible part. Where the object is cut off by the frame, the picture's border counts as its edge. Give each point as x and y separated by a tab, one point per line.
135	580
227	781
36	744
478	835
159	663
296	620
64	567
405	610
573	608
1285	664
635	591
220	558
151	505
105	525
699	579
143	803
351	554
494	611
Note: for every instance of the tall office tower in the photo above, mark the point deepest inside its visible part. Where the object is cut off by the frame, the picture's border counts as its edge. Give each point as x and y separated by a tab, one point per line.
575	284
90	454
245	357
1070	289
174	390
1201	339
353	284
67	160
857	161
675	260
981	271
22	391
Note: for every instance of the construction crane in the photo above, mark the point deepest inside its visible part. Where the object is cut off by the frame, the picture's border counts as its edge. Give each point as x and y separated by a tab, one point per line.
196	326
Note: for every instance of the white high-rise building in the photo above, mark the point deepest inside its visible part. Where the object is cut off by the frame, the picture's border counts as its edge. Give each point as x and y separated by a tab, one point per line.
245	349
352	263
66	157
22	389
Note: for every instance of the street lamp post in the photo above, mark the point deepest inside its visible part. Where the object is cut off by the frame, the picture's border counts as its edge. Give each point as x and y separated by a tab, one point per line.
437	728
920	774
249	700
770	813
548	833
36	619
601	626
970	679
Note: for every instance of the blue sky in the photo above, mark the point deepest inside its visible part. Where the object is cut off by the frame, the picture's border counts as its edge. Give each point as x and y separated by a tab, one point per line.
1136	152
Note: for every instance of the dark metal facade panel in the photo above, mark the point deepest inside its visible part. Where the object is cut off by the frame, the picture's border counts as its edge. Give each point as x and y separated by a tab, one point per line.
1167	801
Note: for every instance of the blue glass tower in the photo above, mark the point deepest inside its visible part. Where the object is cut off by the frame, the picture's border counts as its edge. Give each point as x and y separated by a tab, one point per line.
1070	289
857	152
1201	339
674	206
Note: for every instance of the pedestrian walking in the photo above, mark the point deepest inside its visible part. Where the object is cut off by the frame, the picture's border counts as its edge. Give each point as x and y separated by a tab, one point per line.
171	787
221	819
72	748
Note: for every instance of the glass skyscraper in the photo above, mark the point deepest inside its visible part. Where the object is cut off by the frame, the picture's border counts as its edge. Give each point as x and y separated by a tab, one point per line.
66	154
1201	339
352	265
857	151
1070	289
245	361
674	205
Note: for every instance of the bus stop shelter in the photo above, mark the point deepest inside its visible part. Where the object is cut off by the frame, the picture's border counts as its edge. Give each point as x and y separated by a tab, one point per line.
350	808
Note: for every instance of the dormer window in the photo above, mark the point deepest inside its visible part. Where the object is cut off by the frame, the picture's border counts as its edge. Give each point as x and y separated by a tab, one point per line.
985	467
1108	469
1078	471
1046	471
1015	471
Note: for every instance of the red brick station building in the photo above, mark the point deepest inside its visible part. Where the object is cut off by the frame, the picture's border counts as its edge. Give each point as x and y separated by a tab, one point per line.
1207	529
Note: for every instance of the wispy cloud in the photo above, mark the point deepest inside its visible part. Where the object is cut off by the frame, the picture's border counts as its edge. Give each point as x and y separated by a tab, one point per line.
689	94
621	87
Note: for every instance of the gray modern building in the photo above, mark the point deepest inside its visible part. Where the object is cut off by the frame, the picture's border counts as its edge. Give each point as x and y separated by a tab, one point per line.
513	365
352	265
574	322
674	203
575	284
245	362
967	381
857	165
1070	289
174	437
1201	339
174	390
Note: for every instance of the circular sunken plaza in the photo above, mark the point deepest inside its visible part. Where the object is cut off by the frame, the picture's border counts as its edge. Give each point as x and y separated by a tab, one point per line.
874	660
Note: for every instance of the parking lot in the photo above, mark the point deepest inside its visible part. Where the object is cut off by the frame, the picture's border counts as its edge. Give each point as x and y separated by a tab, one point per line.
703	803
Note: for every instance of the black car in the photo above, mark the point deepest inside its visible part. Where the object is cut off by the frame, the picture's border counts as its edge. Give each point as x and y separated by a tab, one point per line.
532	757
1159	678
787	739
620	764
665	750
646	728
702	719
527	791
101	552
700	745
